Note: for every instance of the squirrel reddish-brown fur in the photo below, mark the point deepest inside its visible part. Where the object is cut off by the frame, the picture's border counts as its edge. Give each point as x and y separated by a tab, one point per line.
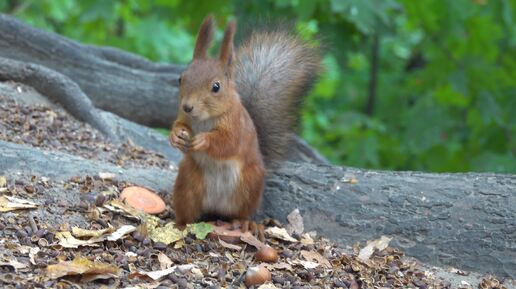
236	115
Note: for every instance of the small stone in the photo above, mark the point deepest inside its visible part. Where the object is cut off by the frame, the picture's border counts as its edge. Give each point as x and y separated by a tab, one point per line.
279	279
173	278
100	200
287	253
339	283
41	232
138	236
182	283
29	189
160	246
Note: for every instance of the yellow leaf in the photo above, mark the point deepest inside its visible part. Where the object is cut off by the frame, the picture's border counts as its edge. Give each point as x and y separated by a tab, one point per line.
81	266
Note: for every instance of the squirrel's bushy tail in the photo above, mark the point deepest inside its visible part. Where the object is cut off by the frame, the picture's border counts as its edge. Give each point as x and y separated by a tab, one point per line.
273	71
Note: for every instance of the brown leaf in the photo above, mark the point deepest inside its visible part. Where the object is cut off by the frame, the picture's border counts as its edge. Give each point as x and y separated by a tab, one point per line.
14	264
68	241
82	266
248	238
164	261
279	266
81	233
306	239
279	233
230	246
316	257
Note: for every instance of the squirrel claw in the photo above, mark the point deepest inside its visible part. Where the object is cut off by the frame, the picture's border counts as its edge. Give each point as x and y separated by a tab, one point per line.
180	139
256	229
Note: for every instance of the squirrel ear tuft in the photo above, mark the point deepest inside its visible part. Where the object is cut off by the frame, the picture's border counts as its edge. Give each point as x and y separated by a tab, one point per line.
204	38
226	48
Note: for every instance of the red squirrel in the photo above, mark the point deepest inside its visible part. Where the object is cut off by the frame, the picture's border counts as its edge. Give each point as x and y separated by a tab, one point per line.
236	116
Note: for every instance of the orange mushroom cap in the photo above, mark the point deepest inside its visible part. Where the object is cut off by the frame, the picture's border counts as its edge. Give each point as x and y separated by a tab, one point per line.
143	199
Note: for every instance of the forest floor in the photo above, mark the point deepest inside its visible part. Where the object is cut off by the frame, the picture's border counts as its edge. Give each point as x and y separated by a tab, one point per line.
77	234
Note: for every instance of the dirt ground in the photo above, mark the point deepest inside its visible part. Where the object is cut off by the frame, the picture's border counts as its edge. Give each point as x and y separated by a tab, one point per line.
34	253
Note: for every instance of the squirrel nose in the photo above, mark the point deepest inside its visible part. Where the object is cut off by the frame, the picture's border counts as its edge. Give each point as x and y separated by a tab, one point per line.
187	108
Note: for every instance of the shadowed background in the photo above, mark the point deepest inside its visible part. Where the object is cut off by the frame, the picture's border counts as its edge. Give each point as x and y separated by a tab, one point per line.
408	85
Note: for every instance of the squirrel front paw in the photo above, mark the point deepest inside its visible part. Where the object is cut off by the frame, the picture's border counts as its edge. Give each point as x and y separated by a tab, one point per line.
180	138
200	142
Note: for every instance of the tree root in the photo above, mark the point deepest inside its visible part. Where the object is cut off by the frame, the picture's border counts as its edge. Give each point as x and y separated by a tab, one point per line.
57	88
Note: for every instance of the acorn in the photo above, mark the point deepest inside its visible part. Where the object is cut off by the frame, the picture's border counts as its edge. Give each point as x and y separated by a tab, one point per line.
257	276
267	254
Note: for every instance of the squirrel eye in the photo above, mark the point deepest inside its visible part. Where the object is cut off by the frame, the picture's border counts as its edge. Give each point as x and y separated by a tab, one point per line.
179	80
215	87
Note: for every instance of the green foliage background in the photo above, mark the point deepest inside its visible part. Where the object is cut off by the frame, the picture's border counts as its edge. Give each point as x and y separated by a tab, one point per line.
446	92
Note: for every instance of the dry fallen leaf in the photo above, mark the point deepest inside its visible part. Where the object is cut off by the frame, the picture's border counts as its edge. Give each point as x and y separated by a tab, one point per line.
15	264
225	232
120	232
8	204
295	223
378	244
316	257
179	244
68	241
167	234
164	261
82	266
279	266
306	239
128	211
230	246
3	182
305	264
159	274
248	238
279	233
81	233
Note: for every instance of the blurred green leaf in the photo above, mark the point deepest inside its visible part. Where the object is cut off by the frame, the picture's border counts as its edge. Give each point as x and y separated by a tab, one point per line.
446	91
